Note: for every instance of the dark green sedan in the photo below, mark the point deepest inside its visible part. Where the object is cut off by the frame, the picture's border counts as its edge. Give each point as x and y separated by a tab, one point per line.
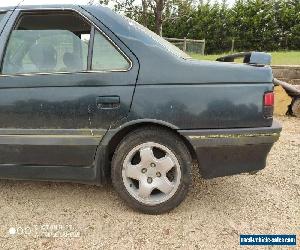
89	96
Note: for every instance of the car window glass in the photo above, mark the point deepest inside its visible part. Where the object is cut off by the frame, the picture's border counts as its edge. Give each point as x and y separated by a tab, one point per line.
106	56
48	43
160	40
1	16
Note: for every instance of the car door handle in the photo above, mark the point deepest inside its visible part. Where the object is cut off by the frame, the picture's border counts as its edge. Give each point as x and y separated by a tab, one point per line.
108	102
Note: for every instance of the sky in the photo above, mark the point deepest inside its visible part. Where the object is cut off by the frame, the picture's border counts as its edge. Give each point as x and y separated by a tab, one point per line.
40	2
12	2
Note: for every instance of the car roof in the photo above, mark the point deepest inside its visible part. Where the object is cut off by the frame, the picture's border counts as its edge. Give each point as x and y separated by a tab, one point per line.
12	4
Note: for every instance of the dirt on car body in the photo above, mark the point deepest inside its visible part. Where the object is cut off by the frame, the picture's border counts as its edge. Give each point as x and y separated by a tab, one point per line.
215	214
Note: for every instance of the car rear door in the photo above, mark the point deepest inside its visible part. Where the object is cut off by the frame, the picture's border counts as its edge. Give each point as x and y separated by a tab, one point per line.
55	106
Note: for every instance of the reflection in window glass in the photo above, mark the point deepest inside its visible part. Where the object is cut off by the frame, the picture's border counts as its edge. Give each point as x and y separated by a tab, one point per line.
1	16
48	42
44	51
164	43
106	56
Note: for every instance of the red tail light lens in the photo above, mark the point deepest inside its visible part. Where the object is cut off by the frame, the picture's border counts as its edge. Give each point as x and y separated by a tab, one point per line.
269	99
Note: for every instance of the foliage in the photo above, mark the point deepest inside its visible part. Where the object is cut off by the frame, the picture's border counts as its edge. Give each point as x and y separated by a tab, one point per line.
266	25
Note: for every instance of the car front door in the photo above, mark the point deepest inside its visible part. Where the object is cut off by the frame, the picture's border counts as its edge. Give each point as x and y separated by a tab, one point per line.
63	82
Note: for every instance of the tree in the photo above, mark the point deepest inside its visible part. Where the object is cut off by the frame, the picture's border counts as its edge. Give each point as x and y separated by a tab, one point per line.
148	7
158	12
254	24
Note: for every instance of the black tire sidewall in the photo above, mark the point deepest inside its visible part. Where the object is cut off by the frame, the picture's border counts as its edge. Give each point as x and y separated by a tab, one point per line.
166	138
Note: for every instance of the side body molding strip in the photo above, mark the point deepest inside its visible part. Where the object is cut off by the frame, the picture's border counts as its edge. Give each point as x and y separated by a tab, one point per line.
51	136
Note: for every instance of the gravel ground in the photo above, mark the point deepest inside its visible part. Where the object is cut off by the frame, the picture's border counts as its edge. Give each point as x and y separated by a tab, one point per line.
213	216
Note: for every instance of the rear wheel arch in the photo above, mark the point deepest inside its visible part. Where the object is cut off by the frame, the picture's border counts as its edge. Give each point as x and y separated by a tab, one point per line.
115	140
156	180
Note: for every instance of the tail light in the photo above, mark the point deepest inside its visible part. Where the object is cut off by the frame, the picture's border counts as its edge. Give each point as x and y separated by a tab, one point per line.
269	99
268	104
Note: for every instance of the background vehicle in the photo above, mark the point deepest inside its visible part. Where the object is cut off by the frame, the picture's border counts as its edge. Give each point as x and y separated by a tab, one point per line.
87	94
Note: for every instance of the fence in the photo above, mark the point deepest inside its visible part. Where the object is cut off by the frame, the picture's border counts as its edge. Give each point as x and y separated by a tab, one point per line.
227	45
231	45
189	45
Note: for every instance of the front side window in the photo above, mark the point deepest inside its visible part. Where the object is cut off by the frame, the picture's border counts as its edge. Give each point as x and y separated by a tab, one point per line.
106	56
46	43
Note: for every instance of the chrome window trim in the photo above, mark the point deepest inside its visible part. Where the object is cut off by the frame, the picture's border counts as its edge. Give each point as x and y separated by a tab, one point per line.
76	72
63	73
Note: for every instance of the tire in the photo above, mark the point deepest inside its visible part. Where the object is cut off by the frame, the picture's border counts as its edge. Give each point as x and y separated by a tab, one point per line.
296	107
152	183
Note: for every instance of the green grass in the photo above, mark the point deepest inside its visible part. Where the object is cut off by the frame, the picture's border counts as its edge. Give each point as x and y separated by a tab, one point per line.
278	58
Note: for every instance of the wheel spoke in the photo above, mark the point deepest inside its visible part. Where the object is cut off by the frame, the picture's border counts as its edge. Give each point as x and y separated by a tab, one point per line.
133	171
164	185
145	189
147	155
165	164
158	178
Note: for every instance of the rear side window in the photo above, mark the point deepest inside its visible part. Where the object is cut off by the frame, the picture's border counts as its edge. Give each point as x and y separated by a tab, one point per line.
48	42
106	56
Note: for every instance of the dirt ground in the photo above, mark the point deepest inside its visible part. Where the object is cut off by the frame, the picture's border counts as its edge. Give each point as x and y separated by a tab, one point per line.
213	216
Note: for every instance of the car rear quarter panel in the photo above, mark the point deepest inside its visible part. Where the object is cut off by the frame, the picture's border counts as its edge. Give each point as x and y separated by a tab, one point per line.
186	93
197	106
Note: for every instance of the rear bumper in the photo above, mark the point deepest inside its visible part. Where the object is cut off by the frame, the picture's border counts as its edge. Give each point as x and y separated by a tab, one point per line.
222	152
